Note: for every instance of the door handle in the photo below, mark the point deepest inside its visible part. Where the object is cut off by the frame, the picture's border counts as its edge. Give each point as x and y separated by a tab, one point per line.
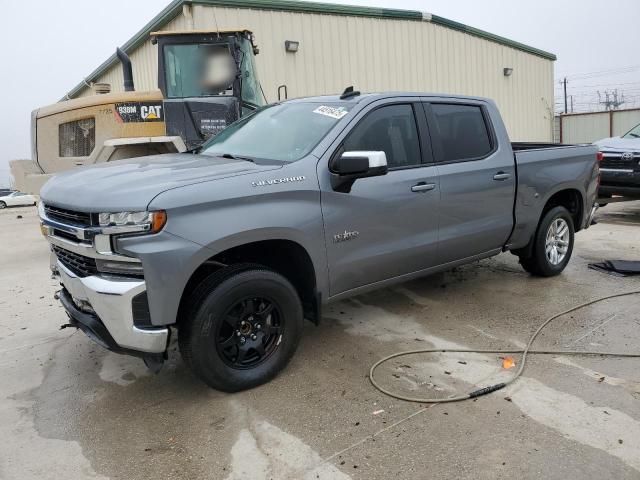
501	176
423	187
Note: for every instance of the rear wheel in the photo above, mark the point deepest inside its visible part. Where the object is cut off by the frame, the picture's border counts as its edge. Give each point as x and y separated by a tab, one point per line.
553	244
243	328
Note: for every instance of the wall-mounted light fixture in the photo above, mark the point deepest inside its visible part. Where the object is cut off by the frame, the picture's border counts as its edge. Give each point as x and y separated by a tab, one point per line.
507	71
291	46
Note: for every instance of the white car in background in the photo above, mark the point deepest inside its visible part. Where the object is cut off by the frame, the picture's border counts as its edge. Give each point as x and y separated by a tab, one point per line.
15	199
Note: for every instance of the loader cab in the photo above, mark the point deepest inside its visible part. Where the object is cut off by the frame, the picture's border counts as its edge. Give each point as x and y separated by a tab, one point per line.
208	81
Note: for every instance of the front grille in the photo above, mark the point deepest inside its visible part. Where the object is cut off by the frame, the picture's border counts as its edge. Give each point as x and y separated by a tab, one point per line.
80	265
620	161
68	216
616	162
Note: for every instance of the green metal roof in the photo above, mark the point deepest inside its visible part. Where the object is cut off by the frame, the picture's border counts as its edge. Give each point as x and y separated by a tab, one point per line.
174	9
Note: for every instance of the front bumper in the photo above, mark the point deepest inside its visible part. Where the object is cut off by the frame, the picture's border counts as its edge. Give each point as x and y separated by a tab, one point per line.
102	308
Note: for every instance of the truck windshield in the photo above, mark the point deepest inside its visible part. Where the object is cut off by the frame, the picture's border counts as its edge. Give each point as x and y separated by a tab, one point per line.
633	133
284	132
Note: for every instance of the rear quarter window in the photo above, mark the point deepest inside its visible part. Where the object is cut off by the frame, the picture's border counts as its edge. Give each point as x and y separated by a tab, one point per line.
461	131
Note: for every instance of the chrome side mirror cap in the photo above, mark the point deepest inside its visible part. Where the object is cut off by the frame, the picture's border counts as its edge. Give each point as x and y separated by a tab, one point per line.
350	166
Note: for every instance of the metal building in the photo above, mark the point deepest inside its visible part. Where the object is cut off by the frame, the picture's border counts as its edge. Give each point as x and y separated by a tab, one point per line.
374	49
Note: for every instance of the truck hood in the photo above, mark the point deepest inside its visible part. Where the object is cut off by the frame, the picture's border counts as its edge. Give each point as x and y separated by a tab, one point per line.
618	143
127	185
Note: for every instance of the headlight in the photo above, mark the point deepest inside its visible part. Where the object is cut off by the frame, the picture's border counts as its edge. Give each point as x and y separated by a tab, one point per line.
123	222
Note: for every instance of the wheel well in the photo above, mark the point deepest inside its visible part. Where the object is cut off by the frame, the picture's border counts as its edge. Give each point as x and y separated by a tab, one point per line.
569	199
286	257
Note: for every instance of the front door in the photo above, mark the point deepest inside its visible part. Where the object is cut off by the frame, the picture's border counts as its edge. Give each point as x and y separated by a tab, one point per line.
385	226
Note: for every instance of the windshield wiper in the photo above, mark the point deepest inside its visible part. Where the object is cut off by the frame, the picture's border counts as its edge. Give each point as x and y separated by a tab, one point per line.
237	157
634	135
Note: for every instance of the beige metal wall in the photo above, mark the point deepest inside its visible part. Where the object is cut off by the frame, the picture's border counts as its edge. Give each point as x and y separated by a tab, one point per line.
623	121
374	55
584	128
590	127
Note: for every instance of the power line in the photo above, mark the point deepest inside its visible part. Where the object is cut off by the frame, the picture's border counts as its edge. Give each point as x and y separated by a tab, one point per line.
599	73
610	84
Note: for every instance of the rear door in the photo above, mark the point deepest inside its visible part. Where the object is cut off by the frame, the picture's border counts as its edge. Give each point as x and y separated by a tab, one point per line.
385	226
477	178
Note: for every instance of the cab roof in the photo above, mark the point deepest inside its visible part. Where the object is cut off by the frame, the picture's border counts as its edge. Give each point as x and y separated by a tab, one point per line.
165	33
370	97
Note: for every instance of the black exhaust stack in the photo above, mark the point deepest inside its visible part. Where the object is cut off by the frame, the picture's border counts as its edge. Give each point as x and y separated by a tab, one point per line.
127	72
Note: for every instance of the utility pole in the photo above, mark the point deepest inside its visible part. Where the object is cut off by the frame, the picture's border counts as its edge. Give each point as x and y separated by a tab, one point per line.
571	103
564	82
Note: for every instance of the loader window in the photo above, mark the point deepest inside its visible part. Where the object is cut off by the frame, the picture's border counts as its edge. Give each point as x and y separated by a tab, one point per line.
251	92
198	70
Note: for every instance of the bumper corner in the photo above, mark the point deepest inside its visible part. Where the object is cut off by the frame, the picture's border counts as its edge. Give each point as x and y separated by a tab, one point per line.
109	320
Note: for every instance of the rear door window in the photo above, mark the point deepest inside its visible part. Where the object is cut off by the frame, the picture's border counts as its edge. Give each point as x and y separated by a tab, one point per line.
461	131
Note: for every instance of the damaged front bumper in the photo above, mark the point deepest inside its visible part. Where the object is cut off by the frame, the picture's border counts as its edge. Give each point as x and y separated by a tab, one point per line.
102	308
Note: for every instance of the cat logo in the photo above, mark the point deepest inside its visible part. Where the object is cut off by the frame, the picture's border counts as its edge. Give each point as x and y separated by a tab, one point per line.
151	112
139	112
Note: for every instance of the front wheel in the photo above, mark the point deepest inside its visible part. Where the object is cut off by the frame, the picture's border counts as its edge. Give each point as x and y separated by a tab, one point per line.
3	205
243	328
552	244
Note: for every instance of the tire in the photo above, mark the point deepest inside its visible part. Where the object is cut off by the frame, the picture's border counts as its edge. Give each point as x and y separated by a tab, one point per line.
3	205
252	305
541	262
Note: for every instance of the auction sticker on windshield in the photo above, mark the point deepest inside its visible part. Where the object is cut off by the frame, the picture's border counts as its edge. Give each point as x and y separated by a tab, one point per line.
333	112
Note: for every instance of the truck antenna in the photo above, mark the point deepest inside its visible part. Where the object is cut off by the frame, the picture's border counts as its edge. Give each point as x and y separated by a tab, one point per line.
349	92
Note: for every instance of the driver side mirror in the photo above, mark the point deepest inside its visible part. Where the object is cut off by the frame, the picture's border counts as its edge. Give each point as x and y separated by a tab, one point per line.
350	166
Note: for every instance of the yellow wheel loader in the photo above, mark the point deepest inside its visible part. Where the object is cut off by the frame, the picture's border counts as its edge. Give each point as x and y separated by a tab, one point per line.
206	81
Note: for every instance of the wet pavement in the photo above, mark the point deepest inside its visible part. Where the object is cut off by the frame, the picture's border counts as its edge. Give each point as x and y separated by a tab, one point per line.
69	409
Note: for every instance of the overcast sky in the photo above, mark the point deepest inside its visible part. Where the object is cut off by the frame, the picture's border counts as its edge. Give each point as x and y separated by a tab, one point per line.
48	47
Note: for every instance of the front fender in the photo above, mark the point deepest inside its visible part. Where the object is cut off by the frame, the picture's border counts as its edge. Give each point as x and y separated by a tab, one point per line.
207	218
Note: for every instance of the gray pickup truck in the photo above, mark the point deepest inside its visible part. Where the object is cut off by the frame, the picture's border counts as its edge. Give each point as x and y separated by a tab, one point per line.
305	202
